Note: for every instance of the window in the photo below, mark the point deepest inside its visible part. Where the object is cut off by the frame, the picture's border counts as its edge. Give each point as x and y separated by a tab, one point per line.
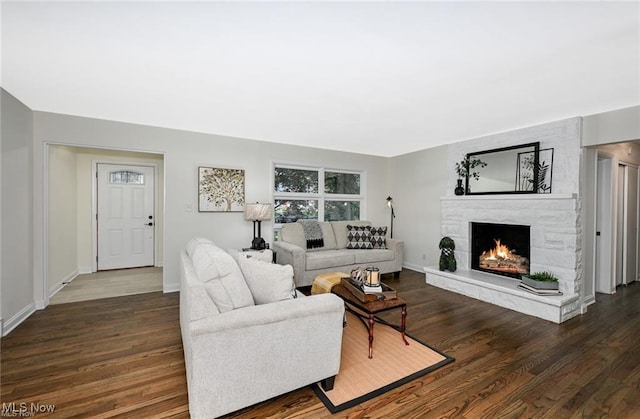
126	176
298	194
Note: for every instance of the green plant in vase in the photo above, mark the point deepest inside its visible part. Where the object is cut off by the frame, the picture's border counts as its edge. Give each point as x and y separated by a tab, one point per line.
465	169
541	280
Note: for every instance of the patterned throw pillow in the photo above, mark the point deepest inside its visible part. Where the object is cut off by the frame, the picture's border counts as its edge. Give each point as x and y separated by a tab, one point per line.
358	237
378	237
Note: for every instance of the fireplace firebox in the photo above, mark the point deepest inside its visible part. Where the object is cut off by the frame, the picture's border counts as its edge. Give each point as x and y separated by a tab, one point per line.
502	249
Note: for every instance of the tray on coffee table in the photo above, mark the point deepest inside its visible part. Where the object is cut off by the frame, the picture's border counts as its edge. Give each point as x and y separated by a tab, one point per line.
387	293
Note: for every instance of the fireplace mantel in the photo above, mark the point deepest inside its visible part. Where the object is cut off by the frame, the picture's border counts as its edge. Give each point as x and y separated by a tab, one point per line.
504	197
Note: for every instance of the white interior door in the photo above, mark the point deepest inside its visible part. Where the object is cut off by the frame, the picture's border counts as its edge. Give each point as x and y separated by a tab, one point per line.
631	229
621	226
604	227
125	219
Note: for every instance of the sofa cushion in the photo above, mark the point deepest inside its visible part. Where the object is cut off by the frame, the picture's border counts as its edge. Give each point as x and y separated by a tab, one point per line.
340	231
373	256
328	259
359	237
267	281
195	242
379	237
221	276
294	233
201	305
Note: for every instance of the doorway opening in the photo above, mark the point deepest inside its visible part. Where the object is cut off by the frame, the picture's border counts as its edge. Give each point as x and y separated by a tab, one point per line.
71	226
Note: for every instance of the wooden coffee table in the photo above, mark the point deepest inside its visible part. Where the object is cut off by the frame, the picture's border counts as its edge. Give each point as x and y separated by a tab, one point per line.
370	309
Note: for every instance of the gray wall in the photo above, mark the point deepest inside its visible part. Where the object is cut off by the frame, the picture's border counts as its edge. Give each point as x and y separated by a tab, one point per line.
62	241
599	131
17	298
418	180
183	153
611	127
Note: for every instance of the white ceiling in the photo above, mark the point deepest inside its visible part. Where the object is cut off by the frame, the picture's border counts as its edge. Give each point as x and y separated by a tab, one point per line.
381	78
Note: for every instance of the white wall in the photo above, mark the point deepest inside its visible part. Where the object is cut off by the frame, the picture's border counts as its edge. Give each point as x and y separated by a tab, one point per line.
611	127
618	133
62	237
184	152
17	212
418	180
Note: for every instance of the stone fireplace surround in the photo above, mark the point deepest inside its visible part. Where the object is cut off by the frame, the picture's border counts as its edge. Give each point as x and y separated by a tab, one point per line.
555	221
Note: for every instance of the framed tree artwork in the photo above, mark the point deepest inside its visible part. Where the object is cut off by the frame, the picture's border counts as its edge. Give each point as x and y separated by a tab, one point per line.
220	190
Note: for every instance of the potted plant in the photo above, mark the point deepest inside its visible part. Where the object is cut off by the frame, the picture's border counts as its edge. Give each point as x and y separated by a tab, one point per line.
464	169
541	280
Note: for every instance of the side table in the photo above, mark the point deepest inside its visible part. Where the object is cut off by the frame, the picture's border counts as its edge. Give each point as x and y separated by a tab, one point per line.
370	309
249	251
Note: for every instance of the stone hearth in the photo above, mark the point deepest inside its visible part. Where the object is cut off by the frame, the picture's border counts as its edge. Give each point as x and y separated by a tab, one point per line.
555	246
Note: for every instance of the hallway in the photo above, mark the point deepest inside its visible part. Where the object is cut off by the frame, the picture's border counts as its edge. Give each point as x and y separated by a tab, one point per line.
106	284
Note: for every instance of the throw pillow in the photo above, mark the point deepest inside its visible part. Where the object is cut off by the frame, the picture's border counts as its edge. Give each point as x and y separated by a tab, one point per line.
358	237
379	237
268	282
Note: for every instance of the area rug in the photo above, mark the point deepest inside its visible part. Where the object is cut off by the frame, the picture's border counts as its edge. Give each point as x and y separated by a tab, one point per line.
393	364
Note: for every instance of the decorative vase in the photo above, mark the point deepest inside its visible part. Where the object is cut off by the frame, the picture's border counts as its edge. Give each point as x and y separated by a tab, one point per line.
459	190
541	285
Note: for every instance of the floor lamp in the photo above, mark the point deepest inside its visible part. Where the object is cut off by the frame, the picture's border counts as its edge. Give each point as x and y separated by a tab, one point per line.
393	214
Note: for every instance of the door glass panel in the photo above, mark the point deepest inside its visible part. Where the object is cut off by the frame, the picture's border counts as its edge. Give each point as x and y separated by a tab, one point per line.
126	176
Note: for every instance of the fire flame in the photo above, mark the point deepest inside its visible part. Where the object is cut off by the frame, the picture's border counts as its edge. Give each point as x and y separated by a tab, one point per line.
499	252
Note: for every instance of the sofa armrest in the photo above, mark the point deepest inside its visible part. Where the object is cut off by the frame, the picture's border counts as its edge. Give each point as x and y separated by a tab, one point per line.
398	249
291	254
265	314
254	353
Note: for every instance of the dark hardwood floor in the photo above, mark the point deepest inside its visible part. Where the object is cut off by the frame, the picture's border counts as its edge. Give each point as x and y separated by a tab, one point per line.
123	357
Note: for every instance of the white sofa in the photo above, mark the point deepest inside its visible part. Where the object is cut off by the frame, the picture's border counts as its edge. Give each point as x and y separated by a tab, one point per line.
291	250
239	352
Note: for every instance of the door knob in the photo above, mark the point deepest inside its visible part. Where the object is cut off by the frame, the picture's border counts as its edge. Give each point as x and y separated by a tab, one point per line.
150	224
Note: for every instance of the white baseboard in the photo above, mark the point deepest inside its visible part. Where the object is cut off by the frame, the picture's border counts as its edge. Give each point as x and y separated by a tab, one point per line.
67	279
174	287
85	270
413	267
15	321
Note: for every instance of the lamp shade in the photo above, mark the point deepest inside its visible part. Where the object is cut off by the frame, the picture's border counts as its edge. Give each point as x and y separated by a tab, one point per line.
257	212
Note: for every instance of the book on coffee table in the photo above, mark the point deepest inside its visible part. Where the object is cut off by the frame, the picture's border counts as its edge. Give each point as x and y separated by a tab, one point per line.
371	290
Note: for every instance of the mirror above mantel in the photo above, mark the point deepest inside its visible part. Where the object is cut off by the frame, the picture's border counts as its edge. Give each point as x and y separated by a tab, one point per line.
507	170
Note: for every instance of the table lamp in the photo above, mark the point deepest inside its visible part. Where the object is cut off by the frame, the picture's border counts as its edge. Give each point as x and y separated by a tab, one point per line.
257	213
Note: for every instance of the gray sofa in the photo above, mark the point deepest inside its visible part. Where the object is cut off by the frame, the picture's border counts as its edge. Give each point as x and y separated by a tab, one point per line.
246	338
291	250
